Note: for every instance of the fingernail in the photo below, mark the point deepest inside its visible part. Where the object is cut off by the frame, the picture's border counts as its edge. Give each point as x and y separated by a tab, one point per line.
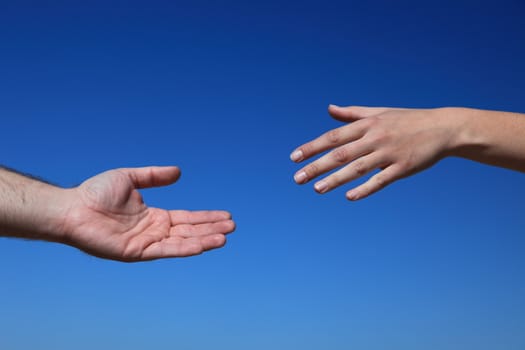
300	177
321	186
297	155
351	195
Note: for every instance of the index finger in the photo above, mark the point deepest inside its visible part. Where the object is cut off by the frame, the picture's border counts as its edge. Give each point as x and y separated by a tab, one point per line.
329	140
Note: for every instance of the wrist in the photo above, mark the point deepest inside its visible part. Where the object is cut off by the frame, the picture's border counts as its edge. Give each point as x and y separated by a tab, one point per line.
32	209
43	213
55	221
458	123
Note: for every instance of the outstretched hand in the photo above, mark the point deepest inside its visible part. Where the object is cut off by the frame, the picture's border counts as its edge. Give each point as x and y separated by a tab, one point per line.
108	218
399	142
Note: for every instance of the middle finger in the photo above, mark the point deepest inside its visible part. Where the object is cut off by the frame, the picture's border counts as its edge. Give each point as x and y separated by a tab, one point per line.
336	158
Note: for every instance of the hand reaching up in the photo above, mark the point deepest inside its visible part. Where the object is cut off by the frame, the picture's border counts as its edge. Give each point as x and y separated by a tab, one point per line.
110	220
105	216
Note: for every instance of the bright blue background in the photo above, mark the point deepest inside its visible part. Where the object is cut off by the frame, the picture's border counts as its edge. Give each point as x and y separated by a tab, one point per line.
226	90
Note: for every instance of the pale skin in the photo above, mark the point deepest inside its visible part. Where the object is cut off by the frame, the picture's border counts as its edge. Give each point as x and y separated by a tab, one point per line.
399	142
106	217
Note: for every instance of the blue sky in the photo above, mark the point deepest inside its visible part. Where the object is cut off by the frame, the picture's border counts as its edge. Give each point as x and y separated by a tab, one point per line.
226	90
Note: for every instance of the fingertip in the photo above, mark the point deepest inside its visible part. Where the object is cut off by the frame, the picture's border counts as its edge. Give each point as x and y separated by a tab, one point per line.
341	113
352	195
300	177
220	241
214	241
176	171
334	110
167	175
225	215
225	227
297	155
232	226
321	187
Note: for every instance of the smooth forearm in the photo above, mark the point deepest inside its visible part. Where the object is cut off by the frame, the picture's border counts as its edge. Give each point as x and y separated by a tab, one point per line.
490	137
30	208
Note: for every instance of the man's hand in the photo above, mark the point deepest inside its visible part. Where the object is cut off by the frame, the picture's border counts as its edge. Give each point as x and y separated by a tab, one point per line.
108	218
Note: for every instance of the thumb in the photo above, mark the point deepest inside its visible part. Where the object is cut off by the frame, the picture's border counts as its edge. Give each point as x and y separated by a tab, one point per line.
152	176
353	113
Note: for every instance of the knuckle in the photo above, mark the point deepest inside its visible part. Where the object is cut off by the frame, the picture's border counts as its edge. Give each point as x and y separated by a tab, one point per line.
340	155
311	170
406	163
335	180
306	149
380	181
333	136
380	137
371	122
360	167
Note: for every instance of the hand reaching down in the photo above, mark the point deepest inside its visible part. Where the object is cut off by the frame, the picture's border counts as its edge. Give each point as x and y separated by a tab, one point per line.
401	142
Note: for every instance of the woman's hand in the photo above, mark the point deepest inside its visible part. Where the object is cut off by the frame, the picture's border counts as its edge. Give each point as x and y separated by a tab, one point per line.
398	142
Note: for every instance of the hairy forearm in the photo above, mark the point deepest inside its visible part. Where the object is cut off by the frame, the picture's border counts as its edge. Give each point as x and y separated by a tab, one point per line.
490	137
30	208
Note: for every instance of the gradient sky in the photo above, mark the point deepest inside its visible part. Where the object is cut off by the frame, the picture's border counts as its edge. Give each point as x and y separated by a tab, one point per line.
226	90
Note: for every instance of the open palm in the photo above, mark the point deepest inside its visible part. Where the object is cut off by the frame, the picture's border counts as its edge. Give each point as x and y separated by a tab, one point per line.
109	219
